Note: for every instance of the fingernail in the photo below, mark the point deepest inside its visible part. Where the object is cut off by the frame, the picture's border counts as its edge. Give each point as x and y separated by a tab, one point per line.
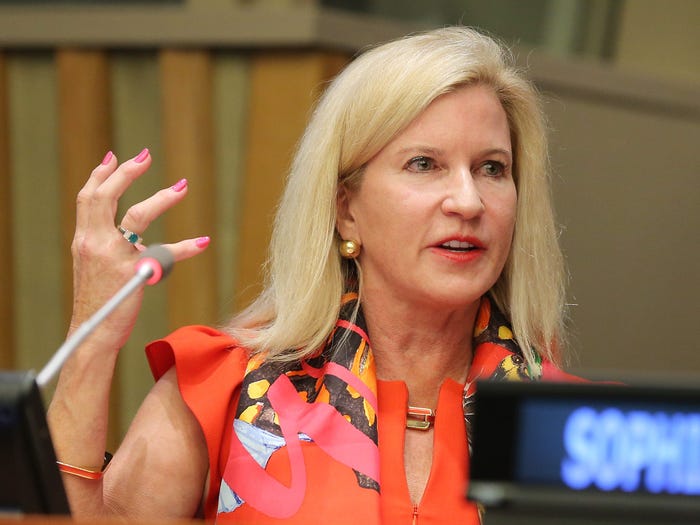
179	185
141	156
107	158
202	242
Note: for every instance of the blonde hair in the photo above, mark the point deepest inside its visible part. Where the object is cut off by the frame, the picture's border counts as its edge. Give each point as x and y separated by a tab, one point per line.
362	110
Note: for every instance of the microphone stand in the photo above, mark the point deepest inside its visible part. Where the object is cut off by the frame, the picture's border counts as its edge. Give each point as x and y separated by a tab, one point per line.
51	368
155	263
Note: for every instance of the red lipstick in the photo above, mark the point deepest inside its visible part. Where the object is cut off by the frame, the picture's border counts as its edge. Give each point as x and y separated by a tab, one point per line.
459	248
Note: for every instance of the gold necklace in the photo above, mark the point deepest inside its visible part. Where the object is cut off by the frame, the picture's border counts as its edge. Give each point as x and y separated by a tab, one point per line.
419	418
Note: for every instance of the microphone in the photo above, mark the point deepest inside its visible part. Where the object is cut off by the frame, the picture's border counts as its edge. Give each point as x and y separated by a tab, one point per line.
155	264
159	260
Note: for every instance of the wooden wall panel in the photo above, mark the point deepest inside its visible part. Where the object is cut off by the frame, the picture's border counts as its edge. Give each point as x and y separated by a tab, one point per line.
84	132
36	213
136	124
231	94
7	329
84	106
186	83
284	87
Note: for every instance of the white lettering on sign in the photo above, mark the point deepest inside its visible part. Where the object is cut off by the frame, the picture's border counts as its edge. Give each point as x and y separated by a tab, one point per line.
630	451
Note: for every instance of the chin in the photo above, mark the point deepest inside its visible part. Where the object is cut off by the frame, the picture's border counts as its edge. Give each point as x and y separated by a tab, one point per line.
456	301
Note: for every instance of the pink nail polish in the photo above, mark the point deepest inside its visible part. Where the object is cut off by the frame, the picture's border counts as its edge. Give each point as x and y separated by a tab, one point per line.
202	242
107	158
141	156
179	185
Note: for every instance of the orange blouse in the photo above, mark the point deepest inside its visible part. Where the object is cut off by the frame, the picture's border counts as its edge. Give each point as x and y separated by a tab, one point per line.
210	369
323	439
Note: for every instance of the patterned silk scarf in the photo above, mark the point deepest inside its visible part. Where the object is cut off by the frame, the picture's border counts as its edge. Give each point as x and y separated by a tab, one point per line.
331	399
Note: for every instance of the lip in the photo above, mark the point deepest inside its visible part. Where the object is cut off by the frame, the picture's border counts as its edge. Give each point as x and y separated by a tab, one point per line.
461	238
461	257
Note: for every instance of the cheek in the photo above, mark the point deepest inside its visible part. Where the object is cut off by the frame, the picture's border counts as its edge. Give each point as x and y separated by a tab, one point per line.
510	213
503	206
387	211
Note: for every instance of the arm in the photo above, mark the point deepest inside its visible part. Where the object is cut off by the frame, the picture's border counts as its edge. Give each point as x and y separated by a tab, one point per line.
102	262
160	469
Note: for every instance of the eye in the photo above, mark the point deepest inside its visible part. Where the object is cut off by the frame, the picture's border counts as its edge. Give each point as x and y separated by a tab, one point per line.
493	168
420	164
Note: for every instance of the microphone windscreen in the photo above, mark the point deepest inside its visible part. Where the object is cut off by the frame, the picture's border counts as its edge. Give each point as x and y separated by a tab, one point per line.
160	259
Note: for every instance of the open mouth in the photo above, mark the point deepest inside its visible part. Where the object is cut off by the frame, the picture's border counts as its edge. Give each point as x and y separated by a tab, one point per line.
459	246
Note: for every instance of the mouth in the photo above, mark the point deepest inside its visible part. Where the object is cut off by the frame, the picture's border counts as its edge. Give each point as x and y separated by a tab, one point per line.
459	246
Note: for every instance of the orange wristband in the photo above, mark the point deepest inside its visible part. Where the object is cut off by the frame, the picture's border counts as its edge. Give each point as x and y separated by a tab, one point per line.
85	472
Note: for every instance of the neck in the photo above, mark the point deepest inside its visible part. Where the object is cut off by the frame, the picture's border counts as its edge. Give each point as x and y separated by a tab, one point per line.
421	347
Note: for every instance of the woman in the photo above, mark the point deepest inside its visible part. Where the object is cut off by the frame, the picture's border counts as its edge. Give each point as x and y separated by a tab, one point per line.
416	216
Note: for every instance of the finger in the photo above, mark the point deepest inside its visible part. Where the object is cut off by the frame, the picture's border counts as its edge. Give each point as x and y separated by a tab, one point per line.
131	237
138	217
84	197
101	172
105	198
188	248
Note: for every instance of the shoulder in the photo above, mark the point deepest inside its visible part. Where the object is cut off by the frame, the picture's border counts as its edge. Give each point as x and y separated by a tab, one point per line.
195	349
207	367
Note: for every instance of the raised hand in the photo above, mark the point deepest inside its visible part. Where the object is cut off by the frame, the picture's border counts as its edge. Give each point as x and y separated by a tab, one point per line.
105	250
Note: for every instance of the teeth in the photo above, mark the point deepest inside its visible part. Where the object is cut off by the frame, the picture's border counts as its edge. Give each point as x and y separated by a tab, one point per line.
458	245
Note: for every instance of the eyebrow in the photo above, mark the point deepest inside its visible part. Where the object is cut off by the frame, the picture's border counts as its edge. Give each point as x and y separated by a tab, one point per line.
437	151
502	151
419	148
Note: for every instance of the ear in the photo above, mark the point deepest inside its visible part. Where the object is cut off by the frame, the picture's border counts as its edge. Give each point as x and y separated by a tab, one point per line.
345	220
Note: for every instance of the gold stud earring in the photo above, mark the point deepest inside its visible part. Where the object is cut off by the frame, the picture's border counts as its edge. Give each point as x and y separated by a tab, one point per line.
349	249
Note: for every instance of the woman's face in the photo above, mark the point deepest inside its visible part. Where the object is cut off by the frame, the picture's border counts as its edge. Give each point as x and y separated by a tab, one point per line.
435	209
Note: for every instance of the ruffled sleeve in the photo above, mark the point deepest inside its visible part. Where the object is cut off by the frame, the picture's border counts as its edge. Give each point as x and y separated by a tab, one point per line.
210	366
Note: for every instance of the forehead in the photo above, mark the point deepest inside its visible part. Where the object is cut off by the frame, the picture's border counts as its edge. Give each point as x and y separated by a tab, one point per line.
470	115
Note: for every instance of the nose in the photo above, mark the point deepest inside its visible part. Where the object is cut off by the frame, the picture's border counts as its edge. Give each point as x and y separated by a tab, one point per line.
462	196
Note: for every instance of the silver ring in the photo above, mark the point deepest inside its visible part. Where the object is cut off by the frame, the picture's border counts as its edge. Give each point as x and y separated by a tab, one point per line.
130	236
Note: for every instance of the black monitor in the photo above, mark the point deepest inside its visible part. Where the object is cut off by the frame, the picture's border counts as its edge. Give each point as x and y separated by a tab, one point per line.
30	482
586	453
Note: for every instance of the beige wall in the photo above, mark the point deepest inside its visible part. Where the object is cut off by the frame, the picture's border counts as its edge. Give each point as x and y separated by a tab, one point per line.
661	38
628	196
